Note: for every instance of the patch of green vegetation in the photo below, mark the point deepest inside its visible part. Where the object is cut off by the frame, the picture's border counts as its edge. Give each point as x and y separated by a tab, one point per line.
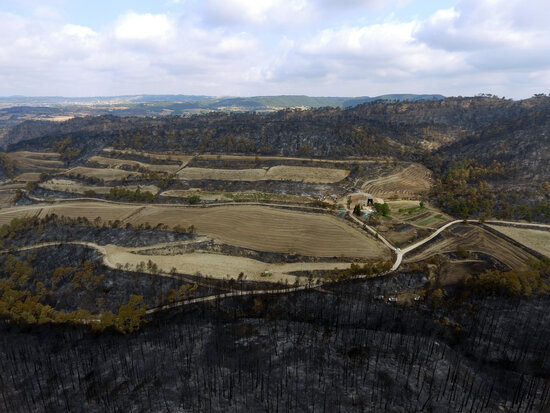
21	306
193	199
427	221
382	209
527	283
118	193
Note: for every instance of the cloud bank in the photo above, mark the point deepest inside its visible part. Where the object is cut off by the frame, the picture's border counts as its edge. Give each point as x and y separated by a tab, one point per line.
248	47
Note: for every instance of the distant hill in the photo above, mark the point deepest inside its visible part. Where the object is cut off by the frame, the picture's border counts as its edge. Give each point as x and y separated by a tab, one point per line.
181	103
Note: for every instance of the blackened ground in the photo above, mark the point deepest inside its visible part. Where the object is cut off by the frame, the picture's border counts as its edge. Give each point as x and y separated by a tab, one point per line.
303	352
124	237
115	288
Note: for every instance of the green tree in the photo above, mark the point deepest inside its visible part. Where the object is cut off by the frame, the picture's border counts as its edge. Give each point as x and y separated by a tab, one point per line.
130	315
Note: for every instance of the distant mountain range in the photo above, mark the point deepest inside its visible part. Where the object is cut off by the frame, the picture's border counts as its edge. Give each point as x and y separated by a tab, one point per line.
175	104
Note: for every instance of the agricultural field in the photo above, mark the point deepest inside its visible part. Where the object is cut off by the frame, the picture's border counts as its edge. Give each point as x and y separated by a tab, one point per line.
151	155
538	240
404	211
76	187
104	174
117	163
33	161
6	198
217	266
414	181
276	173
28	177
473	239
235	196
255	227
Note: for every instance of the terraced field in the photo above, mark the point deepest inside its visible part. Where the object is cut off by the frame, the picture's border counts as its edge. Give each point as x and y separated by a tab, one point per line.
36	161
276	173
474	239
76	187
230	196
117	163
106	174
153	155
412	182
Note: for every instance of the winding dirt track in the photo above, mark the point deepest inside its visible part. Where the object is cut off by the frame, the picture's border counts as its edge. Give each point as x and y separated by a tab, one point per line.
115	256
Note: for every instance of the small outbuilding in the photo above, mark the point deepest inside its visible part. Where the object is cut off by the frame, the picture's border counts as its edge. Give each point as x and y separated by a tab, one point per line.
365	199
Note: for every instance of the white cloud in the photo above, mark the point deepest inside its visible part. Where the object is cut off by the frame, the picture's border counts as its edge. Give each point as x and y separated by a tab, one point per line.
144	28
274	47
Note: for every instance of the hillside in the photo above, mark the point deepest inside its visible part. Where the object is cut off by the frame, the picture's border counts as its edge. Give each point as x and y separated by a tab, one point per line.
439	133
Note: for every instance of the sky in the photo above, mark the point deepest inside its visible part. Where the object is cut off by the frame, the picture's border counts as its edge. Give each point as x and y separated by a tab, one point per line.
274	47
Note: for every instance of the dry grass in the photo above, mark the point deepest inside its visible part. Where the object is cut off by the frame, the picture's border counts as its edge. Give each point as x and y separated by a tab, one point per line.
218	266
474	239
36	161
269	229
412	182
533	238
276	173
91	210
106	174
117	163
28	177
6	198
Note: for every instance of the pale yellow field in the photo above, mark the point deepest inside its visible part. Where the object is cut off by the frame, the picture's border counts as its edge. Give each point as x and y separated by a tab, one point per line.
75	187
106	174
91	210
36	161
116	163
28	177
535	239
269	229
413	181
218	266
256	227
276	173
